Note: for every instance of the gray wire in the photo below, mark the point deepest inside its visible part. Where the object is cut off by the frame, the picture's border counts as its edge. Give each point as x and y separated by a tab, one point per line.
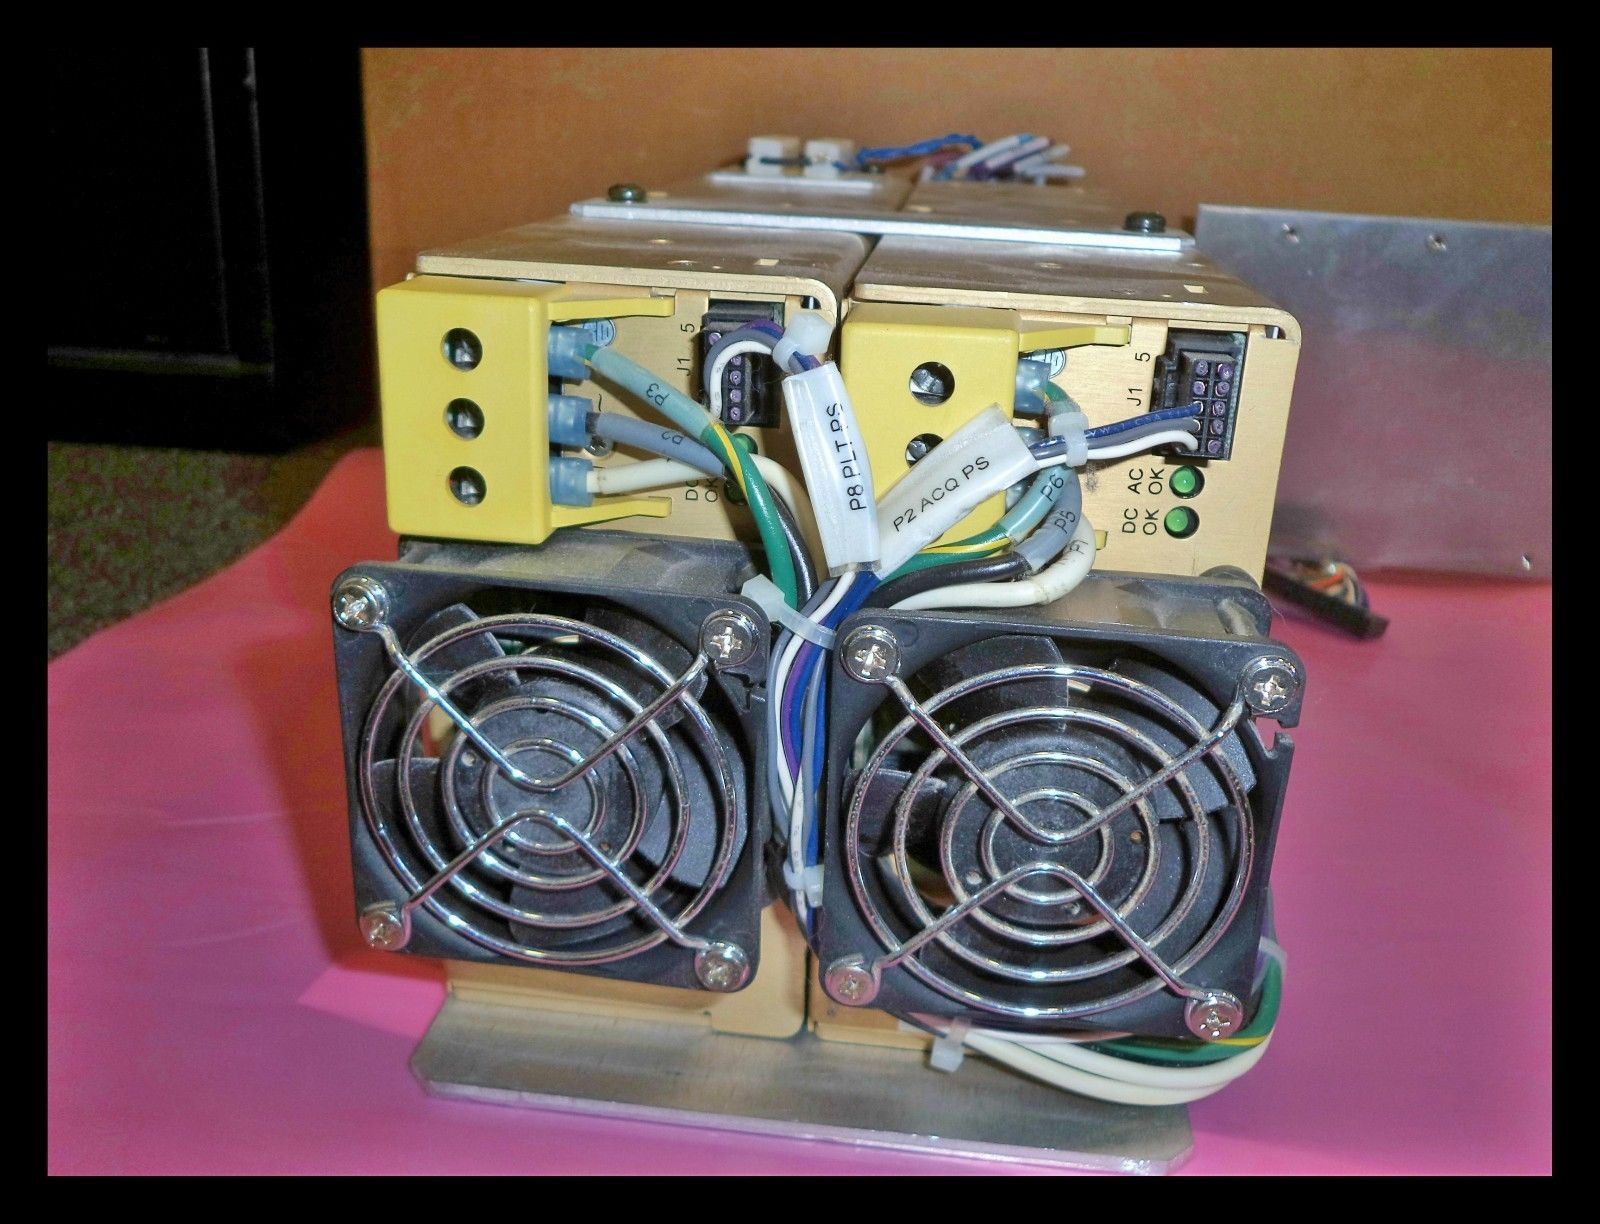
1053	535
656	439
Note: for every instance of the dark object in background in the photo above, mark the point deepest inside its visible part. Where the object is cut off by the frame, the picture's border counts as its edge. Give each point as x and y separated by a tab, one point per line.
1329	592
211	284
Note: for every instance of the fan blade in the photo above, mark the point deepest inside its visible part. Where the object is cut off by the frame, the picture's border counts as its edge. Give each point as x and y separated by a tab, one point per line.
992	654
473	648
1201	776
878	807
667	651
424	793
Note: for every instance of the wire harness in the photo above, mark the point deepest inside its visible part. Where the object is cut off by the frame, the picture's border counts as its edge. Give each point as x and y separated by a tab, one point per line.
881	551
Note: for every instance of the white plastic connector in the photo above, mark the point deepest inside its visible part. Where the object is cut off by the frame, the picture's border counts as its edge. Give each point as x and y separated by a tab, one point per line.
760	148
805	333
984	457
1073	426
826	154
833	459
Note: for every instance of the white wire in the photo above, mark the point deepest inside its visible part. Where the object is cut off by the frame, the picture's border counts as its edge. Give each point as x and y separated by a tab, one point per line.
1047	586
714	374
984	152
1126	1070
658	473
645	474
1028	148
1075	1037
1167	437
1274	949
1050	1069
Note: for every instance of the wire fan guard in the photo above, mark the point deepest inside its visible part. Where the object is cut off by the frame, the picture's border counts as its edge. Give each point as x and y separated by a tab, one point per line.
662	806
1063	741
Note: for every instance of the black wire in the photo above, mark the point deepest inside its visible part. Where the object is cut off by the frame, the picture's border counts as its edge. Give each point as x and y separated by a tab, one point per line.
805	572
1000	568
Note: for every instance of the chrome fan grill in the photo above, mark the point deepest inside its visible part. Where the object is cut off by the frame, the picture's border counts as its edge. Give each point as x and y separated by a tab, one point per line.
1047	840
623	824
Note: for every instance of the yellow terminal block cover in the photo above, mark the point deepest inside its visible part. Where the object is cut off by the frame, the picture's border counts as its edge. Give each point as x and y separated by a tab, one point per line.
474	352
963	358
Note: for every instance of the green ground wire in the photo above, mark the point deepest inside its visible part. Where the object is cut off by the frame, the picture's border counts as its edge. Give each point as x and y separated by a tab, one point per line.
693	420
759	498
1183	1053
983	544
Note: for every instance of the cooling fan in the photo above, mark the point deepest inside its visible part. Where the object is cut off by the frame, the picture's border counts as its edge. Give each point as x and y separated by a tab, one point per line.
1060	820
554	767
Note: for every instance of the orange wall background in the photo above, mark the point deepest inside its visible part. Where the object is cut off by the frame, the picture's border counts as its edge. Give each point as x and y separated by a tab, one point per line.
464	142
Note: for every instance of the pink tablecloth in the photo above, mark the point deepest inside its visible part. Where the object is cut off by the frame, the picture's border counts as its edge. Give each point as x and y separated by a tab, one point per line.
210	1008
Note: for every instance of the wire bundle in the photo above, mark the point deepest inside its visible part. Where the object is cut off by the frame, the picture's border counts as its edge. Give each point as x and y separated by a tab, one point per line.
958	156
1038	551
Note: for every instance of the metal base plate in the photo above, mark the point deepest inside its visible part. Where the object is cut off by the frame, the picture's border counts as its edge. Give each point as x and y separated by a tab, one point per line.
802	1088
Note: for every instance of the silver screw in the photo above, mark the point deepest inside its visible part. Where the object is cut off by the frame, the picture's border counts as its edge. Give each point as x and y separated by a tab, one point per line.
1215	1016
871	654
626	193
728	637
722	967
850	982
1270	683
360	604
386	926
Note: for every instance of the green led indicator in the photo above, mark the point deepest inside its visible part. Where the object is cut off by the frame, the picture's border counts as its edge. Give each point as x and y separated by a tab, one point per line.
1181	522
1187	481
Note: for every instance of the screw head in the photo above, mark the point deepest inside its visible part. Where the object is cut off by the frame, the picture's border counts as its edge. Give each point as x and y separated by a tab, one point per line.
723	967
871	654
626	193
360	604
1145	223
385	926
849	981
1270	684
728	638
1215	1016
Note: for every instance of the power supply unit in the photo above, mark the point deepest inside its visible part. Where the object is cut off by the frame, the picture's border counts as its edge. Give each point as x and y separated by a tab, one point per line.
809	562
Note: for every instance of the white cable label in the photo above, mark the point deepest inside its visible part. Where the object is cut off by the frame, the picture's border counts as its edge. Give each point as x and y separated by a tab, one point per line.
984	457
834	460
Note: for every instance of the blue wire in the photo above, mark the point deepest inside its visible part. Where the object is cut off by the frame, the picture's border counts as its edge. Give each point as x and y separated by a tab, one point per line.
1149	418
864	586
921	148
818	765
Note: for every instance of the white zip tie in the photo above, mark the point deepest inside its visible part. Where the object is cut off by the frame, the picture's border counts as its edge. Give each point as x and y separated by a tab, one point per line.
761	591
807	880
1072	425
